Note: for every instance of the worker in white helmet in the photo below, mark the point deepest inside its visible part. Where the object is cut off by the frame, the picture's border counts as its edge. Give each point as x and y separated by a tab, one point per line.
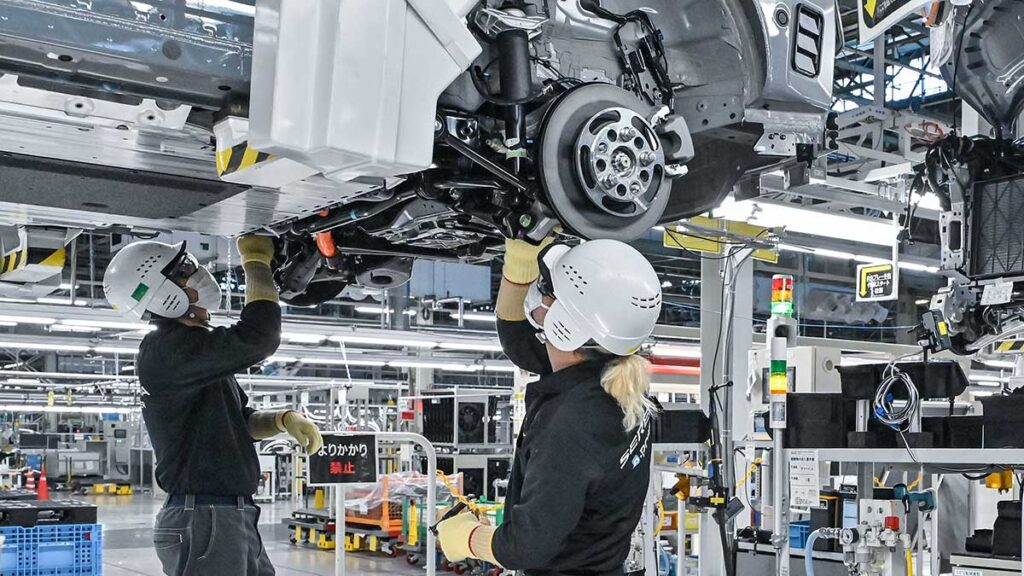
576	316
197	416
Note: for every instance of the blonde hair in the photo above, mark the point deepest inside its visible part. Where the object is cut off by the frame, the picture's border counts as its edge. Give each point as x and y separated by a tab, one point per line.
627	379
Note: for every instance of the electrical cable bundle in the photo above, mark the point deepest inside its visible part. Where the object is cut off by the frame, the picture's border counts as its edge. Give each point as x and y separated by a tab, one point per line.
884	403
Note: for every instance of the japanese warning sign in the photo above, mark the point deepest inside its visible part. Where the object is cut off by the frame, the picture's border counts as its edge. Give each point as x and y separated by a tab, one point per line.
344	459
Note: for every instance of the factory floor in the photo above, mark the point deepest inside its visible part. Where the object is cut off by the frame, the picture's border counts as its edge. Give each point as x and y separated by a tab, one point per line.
128	546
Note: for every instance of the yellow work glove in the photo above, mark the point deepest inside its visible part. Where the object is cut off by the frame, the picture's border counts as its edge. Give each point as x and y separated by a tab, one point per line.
521	266
464	536
256	249
301	429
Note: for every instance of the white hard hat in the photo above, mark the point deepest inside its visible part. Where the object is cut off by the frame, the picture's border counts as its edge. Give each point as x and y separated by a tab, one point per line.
137	281
605	291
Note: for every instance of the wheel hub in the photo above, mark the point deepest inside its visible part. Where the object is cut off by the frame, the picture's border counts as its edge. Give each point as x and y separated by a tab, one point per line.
583	193
618	160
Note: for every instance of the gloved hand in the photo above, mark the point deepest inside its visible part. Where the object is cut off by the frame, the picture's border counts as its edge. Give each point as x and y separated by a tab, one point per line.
301	429
464	536
521	265
453	535
256	249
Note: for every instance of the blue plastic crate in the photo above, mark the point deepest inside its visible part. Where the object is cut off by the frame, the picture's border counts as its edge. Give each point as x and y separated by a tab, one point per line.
798	533
58	550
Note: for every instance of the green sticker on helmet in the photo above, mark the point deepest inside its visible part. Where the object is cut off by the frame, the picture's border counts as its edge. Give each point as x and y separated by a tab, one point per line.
140	292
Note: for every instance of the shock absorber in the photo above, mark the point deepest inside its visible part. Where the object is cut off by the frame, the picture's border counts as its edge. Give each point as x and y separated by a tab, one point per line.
515	75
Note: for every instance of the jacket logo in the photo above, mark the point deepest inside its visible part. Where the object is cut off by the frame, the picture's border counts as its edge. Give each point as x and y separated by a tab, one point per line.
632	455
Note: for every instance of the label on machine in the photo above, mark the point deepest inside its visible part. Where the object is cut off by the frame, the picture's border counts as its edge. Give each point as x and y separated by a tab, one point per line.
804	484
777	412
344	459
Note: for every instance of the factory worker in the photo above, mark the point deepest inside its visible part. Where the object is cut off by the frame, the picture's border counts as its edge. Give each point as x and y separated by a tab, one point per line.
577	317
198	418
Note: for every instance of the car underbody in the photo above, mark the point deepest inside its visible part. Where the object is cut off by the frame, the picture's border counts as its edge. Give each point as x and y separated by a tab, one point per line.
601	118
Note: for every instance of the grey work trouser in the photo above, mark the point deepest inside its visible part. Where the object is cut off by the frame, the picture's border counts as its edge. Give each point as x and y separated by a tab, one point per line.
210	540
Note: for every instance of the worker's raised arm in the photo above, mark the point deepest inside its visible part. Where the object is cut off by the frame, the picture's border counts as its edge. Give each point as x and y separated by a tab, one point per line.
517	336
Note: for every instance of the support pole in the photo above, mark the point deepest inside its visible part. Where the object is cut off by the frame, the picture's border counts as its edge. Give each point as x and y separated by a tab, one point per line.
780	335
339	531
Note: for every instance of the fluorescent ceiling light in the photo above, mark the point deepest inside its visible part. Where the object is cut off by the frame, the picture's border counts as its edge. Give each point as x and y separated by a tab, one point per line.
674	351
39	346
857	257
60	301
17	300
471	346
8	324
922	302
65	286
982	393
64	375
373	310
109	324
919	267
674	388
497	368
435	365
116	350
75	329
666	284
128	368
410	312
24	381
1009	364
475	317
813	222
342	362
382	341
303	337
28	319
282	359
67	409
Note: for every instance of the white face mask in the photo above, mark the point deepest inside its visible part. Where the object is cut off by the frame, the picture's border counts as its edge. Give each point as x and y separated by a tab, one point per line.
205	285
534	300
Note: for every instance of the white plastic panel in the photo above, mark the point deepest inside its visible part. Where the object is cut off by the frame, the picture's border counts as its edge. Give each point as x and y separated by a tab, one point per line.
350	87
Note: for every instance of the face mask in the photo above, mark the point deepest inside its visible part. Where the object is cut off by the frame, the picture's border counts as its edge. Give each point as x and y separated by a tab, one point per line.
534	300
207	288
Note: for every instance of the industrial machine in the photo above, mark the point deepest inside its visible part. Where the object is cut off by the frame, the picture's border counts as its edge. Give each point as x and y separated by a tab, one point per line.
115	434
978	179
473	120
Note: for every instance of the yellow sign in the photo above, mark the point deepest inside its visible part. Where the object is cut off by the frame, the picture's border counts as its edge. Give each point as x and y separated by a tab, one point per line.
870	6
876	282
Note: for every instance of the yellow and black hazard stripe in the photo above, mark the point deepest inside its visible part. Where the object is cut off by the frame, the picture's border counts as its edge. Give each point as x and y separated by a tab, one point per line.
238	157
1010	346
13	261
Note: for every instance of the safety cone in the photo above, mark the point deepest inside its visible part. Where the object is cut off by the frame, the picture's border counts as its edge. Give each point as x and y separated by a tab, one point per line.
44	491
30	482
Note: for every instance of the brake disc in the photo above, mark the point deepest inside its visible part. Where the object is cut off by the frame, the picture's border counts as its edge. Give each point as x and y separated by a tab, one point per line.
600	163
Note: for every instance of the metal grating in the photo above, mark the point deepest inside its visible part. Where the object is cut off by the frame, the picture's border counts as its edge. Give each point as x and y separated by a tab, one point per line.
997	229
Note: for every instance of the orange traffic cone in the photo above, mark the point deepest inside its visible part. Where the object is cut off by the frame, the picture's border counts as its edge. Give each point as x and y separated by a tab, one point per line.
44	490
30	482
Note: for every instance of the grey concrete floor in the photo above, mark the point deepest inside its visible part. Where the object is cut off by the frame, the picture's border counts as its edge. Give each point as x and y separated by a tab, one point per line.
128	546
